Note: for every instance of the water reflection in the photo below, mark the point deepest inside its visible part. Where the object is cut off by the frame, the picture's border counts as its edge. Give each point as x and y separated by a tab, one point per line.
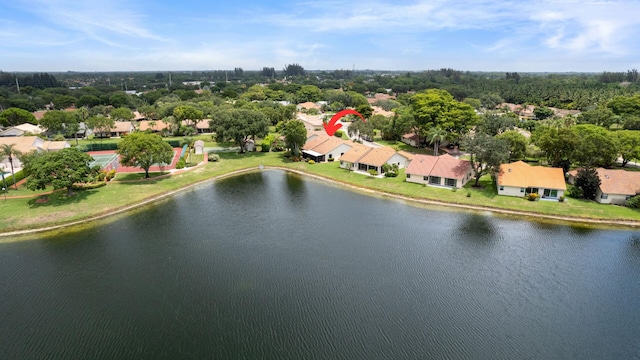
477	229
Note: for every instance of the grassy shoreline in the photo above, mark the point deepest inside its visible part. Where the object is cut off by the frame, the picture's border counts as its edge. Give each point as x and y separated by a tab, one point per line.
24	215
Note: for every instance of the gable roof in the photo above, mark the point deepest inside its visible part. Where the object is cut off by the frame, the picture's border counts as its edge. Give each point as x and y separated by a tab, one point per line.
146	125
310	144
356	153
309	105
521	174
25	144
329	145
377	156
618	181
445	166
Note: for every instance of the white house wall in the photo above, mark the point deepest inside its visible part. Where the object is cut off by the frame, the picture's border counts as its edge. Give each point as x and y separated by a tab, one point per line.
337	152
615	199
402	161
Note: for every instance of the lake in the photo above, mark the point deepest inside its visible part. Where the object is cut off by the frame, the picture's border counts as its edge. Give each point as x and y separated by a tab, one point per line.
271	265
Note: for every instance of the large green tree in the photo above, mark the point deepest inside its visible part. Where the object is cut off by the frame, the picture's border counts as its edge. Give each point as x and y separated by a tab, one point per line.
435	136
486	152
15	116
596	147
588	181
57	121
295	135
628	145
10	151
122	114
143	150
189	114
239	126
517	144
557	144
60	168
438	108
100	124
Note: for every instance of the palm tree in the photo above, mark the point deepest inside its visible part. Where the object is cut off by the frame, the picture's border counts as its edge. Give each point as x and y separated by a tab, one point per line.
9	151
436	135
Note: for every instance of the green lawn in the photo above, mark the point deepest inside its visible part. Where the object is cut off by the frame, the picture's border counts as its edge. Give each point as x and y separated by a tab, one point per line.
400	146
26	213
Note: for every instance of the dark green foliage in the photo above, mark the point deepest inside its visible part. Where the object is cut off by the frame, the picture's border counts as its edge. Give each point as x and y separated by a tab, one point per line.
16	116
542	112
143	150
574	192
181	163
214	157
588	181
12	179
633	202
60	168
390	170
277	145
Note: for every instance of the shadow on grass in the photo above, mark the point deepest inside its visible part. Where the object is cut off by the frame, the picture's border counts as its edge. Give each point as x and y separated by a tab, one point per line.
140	176
60	198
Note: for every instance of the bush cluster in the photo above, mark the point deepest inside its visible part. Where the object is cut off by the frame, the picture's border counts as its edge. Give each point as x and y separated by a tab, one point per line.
214	157
181	163
88	186
633	202
532	197
311	162
13	179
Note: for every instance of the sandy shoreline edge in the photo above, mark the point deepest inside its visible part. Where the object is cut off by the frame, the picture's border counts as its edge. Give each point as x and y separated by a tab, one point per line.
566	219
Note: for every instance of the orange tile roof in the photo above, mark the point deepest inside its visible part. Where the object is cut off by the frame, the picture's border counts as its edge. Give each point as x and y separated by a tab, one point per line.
146	125
378	156
310	144
356	152
521	174
122	126
422	165
330	144
309	105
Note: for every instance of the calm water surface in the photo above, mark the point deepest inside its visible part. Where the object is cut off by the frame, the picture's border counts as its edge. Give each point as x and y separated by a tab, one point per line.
274	266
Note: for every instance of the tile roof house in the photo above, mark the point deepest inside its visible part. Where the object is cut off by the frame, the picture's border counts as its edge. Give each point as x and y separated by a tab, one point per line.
351	158
307	105
444	170
616	186
120	128
520	178
322	148
374	159
413	139
25	144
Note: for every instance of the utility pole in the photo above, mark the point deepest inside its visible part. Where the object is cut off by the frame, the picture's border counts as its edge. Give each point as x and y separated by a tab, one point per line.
17	84
170	80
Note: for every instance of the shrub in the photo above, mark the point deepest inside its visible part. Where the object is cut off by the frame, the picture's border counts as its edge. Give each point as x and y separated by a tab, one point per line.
338	133
101	176
111	174
311	162
532	196
454	189
574	192
390	170
561	199
174	143
214	157
88	186
277	145
373	172
633	202
588	181
181	163
12	180
331	159
468	194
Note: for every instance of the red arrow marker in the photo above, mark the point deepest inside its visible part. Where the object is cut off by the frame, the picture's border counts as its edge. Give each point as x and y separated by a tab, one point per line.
331	127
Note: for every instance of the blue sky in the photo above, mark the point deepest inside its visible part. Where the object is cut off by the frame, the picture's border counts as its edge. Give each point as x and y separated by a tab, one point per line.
483	35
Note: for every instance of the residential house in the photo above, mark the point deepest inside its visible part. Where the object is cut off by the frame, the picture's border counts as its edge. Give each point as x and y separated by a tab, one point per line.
323	148
26	144
306	106
520	178
153	126
413	139
21	130
351	158
120	128
377	157
444	170
616	186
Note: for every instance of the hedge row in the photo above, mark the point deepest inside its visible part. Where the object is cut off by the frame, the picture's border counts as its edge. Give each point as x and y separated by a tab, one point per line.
10	179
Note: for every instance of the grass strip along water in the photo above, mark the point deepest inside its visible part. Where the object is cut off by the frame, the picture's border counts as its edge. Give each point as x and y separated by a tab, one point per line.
27	213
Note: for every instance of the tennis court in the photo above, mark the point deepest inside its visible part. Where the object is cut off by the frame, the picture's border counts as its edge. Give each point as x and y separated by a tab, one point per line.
105	161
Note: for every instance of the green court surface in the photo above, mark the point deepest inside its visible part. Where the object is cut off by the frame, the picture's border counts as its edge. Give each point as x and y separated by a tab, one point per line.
103	160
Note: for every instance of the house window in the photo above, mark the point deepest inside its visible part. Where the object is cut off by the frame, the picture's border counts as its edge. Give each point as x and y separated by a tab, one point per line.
408	176
330	156
450	182
548	193
627	197
521	190
434	180
341	154
501	188
341	163
425	178
604	196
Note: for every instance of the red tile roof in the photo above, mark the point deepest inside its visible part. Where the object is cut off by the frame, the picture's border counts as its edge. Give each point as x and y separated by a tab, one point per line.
618	181
445	166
